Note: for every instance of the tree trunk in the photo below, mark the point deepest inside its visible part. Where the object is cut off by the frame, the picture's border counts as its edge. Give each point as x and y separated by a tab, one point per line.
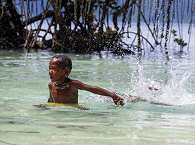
139	30
167	30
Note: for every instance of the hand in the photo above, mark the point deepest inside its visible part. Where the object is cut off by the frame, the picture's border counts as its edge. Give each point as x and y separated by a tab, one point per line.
118	101
135	99
152	88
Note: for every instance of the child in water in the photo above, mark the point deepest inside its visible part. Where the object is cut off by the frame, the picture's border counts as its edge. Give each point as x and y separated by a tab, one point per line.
64	90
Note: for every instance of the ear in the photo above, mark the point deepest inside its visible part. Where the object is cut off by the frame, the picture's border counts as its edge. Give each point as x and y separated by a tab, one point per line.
67	71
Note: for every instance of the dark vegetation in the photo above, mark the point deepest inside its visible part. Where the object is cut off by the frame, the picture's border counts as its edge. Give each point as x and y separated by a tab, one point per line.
86	26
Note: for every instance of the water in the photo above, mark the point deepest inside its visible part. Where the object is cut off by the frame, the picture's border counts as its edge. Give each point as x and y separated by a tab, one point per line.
24	79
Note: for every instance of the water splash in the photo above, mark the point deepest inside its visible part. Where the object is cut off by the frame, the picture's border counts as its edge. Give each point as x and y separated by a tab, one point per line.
173	91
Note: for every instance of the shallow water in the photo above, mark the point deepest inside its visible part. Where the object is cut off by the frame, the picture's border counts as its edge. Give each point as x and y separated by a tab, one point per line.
24	79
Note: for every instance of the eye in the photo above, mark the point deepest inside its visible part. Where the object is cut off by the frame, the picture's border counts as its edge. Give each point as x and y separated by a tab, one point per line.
52	68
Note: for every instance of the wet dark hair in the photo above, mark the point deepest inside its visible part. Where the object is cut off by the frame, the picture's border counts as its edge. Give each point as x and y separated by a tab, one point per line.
64	61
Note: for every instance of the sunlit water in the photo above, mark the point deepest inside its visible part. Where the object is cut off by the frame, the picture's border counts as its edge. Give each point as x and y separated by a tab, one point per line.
24	79
23	83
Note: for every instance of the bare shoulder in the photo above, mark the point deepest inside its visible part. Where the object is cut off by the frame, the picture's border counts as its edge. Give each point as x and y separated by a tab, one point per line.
78	84
50	84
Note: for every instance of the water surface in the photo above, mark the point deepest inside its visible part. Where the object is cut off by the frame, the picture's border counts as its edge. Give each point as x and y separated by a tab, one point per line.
24	79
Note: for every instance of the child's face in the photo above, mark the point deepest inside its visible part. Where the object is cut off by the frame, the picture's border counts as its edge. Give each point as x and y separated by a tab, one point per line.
56	73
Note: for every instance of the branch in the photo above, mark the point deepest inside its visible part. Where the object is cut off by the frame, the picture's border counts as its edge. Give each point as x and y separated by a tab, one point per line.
153	36
142	37
46	14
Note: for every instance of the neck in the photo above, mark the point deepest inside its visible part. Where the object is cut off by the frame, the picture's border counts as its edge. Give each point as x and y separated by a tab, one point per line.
65	80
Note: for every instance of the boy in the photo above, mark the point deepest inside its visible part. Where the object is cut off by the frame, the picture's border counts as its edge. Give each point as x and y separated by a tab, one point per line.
64	90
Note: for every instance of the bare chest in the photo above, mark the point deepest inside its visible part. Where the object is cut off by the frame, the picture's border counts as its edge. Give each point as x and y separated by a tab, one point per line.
64	94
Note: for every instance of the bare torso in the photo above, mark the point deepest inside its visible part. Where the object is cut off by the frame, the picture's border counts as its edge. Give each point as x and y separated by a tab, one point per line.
64	93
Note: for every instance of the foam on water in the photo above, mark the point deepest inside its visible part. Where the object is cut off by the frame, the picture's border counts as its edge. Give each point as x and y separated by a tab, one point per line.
173	91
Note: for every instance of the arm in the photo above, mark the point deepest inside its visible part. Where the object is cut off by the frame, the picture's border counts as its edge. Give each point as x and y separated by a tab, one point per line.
153	89
97	90
50	96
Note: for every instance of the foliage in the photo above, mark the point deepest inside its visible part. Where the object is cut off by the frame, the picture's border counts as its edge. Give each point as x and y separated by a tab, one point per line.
180	42
84	26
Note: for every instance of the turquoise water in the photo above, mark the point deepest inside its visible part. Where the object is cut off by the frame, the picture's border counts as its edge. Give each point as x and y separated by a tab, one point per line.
23	83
